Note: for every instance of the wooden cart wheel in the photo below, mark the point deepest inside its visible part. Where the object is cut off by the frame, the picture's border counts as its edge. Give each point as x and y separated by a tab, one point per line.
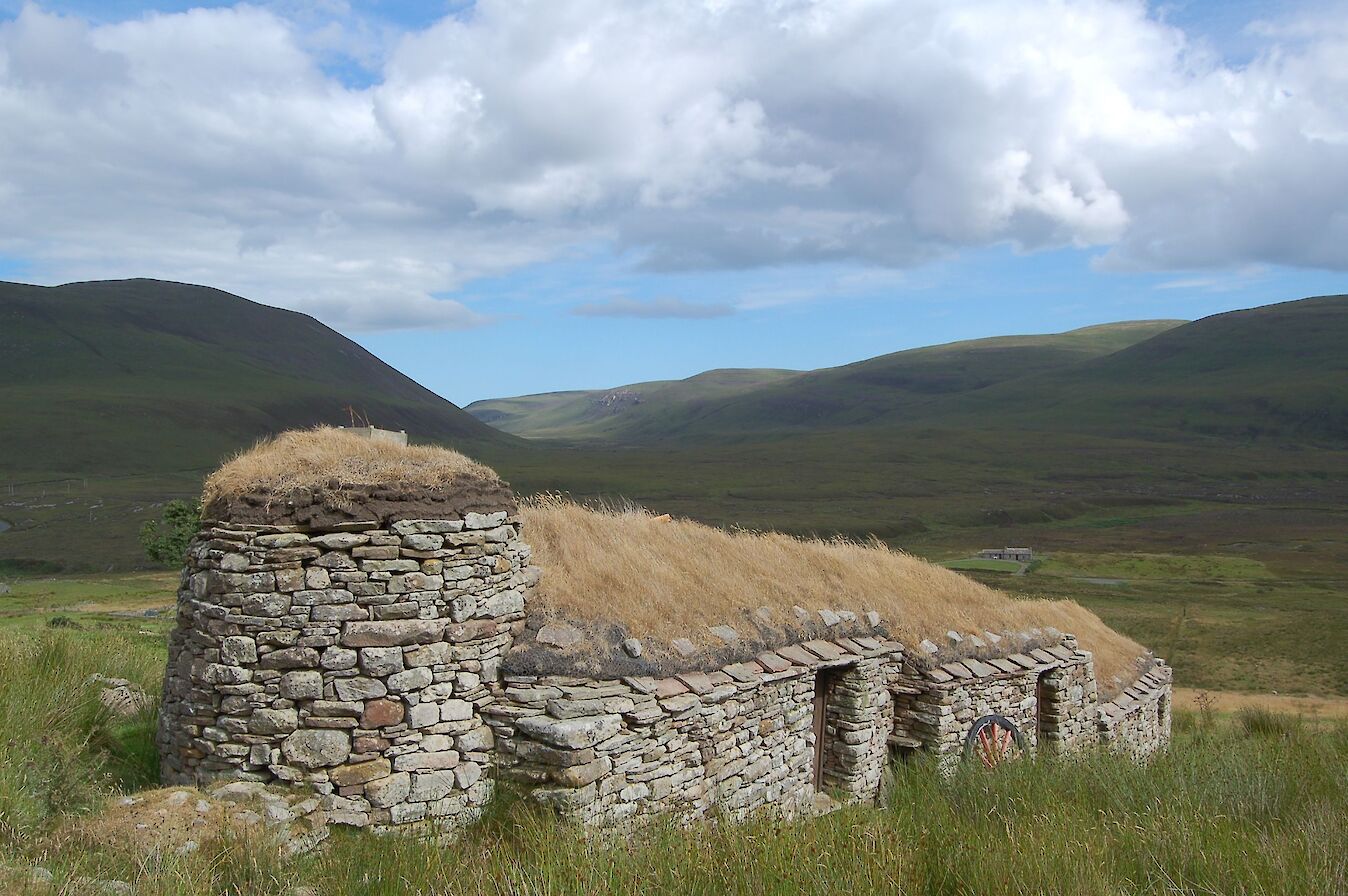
994	740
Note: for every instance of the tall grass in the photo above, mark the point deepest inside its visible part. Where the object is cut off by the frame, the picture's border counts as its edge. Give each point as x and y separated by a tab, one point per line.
62	750
1232	808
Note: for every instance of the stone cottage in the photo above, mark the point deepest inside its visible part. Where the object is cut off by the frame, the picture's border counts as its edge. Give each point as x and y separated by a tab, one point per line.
370	620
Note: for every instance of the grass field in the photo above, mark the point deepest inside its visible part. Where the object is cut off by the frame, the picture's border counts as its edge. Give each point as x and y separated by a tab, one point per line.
1244	803
1252	803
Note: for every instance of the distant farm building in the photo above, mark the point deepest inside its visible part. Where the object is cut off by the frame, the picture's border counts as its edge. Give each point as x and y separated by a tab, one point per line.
1019	555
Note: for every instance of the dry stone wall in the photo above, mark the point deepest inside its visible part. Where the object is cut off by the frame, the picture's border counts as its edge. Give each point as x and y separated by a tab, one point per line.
1068	706
937	706
355	661
726	742
1137	722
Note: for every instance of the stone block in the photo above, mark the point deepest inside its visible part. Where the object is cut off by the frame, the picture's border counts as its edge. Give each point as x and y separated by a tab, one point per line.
339	613
437	527
282	540
424	761
310	748
322	597
273	721
386	792
484	520
392	633
268	605
580	775
423	715
427	786
339	541
479	740
423	542
290	658
381	661
571	733
301	685
409	680
382	712
360	773
337	659
359	688
559	634
456	711
237	650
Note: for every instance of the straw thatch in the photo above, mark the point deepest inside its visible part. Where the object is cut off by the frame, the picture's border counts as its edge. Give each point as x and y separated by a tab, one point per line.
632	573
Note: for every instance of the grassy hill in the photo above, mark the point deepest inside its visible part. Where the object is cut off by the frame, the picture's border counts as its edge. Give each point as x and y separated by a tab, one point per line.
591	413
1275	372
738	402
145	376
115	396
1188	483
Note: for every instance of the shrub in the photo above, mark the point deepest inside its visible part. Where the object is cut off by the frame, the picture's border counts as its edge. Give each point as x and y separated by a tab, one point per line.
165	540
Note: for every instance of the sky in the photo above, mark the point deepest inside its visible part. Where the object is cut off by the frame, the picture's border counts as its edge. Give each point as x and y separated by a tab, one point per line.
501	198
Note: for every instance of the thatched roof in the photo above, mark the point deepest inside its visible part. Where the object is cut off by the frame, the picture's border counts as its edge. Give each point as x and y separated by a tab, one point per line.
325	475
619	574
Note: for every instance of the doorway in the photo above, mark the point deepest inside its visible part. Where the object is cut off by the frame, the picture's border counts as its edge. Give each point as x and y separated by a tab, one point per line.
824	682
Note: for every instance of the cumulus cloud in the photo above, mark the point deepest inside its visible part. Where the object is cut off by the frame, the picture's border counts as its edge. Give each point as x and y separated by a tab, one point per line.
623	306
216	145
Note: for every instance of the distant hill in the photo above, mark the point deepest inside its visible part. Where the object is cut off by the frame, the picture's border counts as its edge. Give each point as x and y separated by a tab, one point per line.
1274	372
1277	371
588	413
886	389
145	376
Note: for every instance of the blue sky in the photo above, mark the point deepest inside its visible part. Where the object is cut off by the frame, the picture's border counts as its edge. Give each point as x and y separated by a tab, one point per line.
529	196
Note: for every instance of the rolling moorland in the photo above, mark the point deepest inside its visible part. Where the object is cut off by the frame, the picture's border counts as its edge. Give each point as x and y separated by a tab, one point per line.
1187	482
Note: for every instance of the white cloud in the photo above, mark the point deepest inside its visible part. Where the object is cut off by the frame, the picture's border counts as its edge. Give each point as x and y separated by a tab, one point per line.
217	146
668	307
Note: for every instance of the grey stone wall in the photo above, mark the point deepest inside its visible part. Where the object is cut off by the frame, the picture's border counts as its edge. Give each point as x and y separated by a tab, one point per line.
353	661
1138	721
726	742
1067	714
365	660
1048	693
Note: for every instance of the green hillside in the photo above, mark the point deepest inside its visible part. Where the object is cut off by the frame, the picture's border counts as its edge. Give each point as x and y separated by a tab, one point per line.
736	403
116	396
590	413
144	376
1275	372
1278	371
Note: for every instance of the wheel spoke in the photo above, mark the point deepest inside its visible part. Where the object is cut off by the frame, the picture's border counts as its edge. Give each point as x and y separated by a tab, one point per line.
993	740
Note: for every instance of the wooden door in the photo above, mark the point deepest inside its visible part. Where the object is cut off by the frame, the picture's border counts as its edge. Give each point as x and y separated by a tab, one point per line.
823	680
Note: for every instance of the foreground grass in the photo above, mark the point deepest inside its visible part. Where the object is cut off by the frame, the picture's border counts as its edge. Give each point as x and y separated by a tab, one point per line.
1252	804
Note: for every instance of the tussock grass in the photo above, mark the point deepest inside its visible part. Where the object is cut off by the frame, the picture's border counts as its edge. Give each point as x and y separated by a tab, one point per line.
661	579
63	750
1267	723
1222	812
1222	815
311	458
